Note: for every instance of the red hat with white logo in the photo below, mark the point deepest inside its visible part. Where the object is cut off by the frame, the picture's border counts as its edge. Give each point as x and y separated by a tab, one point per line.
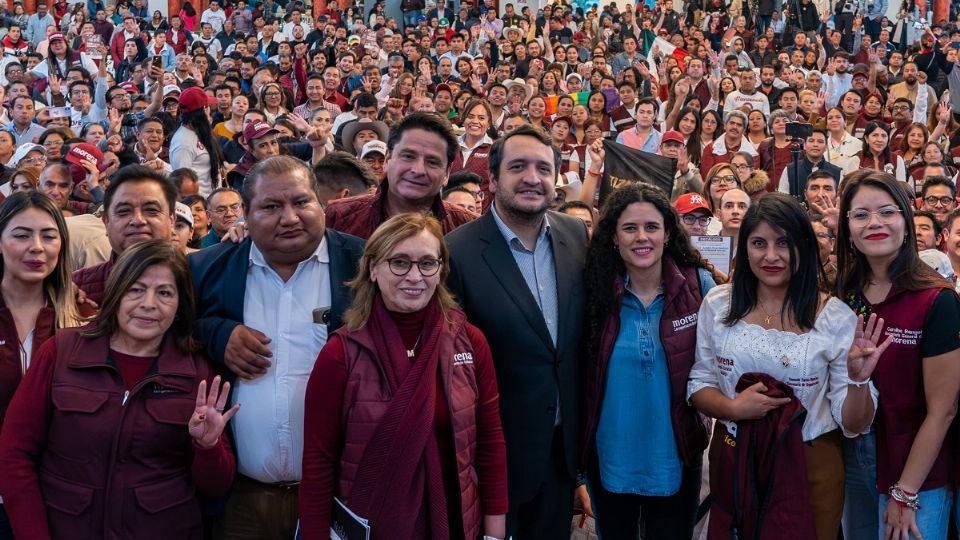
85	151
691	202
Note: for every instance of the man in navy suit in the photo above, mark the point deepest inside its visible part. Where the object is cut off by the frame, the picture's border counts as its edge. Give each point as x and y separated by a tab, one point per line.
266	308
517	270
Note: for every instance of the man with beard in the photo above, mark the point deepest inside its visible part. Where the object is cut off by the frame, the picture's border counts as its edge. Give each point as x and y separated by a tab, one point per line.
747	95
119	98
902	111
911	89
836	80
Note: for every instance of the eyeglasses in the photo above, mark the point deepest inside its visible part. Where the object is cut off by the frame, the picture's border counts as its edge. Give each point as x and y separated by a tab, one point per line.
272	94
943	201
34	160
900	108
478	195
14	72
825	236
886	215
690	219
221	210
743	167
730	180
119	96
401	267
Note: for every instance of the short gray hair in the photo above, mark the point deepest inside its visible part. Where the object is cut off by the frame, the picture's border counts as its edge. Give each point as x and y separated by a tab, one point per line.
779	113
735	114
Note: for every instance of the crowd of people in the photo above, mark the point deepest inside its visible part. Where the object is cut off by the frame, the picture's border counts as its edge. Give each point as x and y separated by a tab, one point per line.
327	261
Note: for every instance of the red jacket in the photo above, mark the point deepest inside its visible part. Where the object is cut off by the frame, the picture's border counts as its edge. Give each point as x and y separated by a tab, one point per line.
82	459
678	333
478	164
92	280
362	214
760	485
10	371
116	45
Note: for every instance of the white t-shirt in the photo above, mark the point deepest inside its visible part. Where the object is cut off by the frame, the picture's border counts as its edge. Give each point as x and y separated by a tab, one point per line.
186	151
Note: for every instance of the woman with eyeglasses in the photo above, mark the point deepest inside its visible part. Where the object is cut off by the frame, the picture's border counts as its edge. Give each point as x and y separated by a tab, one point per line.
898	476
643	443
770	346
721	178
402	419
272	101
52	140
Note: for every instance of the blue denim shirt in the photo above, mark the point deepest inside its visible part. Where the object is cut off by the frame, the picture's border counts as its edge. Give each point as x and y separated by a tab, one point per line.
635	440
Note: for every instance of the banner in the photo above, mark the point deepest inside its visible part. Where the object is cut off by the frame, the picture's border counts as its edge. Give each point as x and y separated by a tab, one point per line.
624	165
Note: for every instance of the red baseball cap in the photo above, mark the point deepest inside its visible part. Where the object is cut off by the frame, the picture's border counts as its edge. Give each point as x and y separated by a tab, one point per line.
85	151
56	36
130	87
691	202
255	130
194	99
672	135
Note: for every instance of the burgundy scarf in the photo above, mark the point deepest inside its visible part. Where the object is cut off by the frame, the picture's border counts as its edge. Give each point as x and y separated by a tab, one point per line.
399	483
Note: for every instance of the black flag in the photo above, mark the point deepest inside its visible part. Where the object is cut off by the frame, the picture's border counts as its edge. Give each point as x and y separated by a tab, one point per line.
624	165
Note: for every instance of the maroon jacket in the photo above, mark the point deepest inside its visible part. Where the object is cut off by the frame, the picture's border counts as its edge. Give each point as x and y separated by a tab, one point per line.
678	333
82	459
92	280
10	372
362	214
478	164
898	377
760	485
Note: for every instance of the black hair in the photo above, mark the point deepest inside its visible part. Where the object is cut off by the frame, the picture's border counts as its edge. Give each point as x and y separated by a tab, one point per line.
365	99
339	170
198	122
575	204
937	228
496	151
177	176
140	173
785	215
459	178
431	123
938	181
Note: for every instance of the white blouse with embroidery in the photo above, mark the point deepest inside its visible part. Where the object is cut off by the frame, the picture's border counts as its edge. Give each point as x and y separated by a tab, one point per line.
813	364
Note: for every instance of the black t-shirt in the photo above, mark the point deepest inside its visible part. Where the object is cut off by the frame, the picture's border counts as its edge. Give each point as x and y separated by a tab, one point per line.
941	333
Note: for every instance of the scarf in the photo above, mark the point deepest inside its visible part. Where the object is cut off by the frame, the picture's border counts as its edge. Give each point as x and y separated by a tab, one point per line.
399	485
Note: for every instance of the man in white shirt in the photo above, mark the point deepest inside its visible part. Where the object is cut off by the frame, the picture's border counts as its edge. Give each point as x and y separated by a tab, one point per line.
747	95
295	20
268	305
215	16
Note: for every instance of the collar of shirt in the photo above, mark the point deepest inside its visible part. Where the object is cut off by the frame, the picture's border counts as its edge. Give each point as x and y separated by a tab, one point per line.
320	255
512	239
463	143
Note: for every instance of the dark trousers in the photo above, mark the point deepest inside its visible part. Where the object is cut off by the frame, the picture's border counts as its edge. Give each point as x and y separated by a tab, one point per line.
258	511
665	518
6	533
548	515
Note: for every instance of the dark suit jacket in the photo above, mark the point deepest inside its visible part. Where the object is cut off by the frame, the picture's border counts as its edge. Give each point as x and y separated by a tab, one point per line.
530	369
220	278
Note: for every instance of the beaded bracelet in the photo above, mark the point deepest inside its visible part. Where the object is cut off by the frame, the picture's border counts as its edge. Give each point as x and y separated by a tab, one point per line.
904	498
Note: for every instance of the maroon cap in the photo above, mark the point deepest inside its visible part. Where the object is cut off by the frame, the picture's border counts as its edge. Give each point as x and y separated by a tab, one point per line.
85	151
691	202
672	135
442	86
194	99
130	87
566	119
255	130
56	36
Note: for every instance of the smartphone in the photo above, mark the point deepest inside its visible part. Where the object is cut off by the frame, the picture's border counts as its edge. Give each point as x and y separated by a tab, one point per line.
158	61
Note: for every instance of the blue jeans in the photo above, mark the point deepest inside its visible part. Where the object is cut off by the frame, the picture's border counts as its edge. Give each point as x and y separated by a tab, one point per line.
410	17
933	518
860	496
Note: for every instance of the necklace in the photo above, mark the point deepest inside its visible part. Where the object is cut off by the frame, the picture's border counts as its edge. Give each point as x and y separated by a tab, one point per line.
768	320
412	352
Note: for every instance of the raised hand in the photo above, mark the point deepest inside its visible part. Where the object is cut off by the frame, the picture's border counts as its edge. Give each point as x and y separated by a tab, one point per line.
54	83
597	154
208	420
866	349
944	111
827	207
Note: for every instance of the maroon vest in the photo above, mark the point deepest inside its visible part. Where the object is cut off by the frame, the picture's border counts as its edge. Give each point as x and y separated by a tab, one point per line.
115	467
368	396
898	377
92	280
10	372
477	164
678	334
362	214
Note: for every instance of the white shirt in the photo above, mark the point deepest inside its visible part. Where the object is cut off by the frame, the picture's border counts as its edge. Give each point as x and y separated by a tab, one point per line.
269	433
846	154
187	151
813	364
215	18
757	101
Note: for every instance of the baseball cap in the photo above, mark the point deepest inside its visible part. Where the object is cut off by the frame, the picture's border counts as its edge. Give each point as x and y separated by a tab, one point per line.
56	36
85	151
171	89
22	152
575	76
255	130
373	147
443	22
442	86
672	135
129	87
353	40
183	212
691	202
566	119
194	99
861	69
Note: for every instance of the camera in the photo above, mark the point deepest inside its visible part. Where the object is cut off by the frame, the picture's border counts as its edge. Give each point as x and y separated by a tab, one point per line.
798	130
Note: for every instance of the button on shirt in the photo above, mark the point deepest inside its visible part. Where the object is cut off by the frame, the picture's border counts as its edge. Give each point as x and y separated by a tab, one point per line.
540	274
269	433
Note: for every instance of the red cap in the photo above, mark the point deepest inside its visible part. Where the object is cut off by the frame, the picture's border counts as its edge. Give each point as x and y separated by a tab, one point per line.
442	86
566	119
87	151
255	130
672	135
130	87
690	202
194	99
55	36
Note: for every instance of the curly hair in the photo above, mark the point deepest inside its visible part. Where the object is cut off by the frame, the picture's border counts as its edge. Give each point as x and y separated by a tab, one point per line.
605	266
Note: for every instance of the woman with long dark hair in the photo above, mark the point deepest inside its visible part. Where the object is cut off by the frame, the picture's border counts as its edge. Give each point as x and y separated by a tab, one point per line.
642	271
878	155
880	272
688	123
193	144
770	344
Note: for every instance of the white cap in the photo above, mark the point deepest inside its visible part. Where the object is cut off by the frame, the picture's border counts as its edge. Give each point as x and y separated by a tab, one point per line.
170	89
22	152
183	212
937	260
372	147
